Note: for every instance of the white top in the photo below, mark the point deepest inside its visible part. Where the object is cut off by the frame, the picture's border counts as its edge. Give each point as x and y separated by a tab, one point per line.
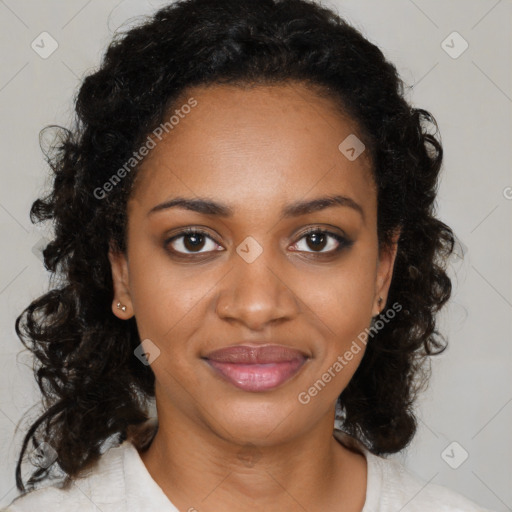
120	482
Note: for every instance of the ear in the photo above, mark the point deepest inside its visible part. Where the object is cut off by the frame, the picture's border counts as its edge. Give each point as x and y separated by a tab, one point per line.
385	267
120	281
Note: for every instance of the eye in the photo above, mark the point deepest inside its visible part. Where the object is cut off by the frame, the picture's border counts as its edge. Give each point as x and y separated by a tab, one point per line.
321	241
196	241
192	241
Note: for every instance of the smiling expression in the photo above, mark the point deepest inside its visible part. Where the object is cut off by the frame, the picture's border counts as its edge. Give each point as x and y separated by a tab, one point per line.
248	225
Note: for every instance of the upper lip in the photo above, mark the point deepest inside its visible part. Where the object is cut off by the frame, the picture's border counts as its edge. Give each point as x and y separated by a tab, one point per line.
255	354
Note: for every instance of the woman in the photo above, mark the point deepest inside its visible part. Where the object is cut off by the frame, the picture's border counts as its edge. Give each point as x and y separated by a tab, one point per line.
245	229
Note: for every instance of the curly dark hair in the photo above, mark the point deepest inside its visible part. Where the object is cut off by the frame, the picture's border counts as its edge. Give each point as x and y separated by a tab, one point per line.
92	385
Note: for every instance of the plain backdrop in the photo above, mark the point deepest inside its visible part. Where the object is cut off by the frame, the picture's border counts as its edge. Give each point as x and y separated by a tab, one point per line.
465	416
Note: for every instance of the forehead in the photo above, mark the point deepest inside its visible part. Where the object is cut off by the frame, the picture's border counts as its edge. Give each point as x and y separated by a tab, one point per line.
254	145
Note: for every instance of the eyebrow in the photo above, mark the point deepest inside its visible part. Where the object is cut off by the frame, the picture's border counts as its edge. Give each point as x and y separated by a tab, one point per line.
209	207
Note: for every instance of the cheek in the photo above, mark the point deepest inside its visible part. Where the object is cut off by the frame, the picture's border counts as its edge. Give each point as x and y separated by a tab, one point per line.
169	308
165	298
342	305
343	297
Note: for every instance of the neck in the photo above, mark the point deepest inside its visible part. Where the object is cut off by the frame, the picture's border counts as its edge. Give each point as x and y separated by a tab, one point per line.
197	469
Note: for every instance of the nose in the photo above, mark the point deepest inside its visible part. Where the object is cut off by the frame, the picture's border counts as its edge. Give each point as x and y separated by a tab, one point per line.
256	294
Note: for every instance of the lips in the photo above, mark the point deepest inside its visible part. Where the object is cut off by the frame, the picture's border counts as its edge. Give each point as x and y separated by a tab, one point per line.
256	368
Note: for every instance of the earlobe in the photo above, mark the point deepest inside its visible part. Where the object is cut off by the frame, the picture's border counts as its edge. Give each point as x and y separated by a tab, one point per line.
120	306
121	302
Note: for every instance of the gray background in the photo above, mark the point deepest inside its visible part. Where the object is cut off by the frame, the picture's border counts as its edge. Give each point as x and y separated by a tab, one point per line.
469	398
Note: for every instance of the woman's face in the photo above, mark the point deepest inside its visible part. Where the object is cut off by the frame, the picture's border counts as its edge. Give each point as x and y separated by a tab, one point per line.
253	276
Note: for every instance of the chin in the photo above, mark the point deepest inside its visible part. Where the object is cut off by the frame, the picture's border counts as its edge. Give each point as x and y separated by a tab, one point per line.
263	422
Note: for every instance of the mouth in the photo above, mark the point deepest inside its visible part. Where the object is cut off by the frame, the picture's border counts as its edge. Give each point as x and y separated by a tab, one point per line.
256	368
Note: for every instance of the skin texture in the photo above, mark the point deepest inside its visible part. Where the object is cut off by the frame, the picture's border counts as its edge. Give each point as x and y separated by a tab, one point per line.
257	150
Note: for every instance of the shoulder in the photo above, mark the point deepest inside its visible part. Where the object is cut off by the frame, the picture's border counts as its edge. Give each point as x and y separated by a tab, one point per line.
100	486
402	490
391	487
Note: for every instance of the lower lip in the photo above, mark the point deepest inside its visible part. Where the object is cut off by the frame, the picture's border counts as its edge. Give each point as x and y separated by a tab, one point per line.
258	377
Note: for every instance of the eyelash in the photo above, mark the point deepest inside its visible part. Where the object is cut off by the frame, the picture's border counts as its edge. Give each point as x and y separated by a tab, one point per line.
343	243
